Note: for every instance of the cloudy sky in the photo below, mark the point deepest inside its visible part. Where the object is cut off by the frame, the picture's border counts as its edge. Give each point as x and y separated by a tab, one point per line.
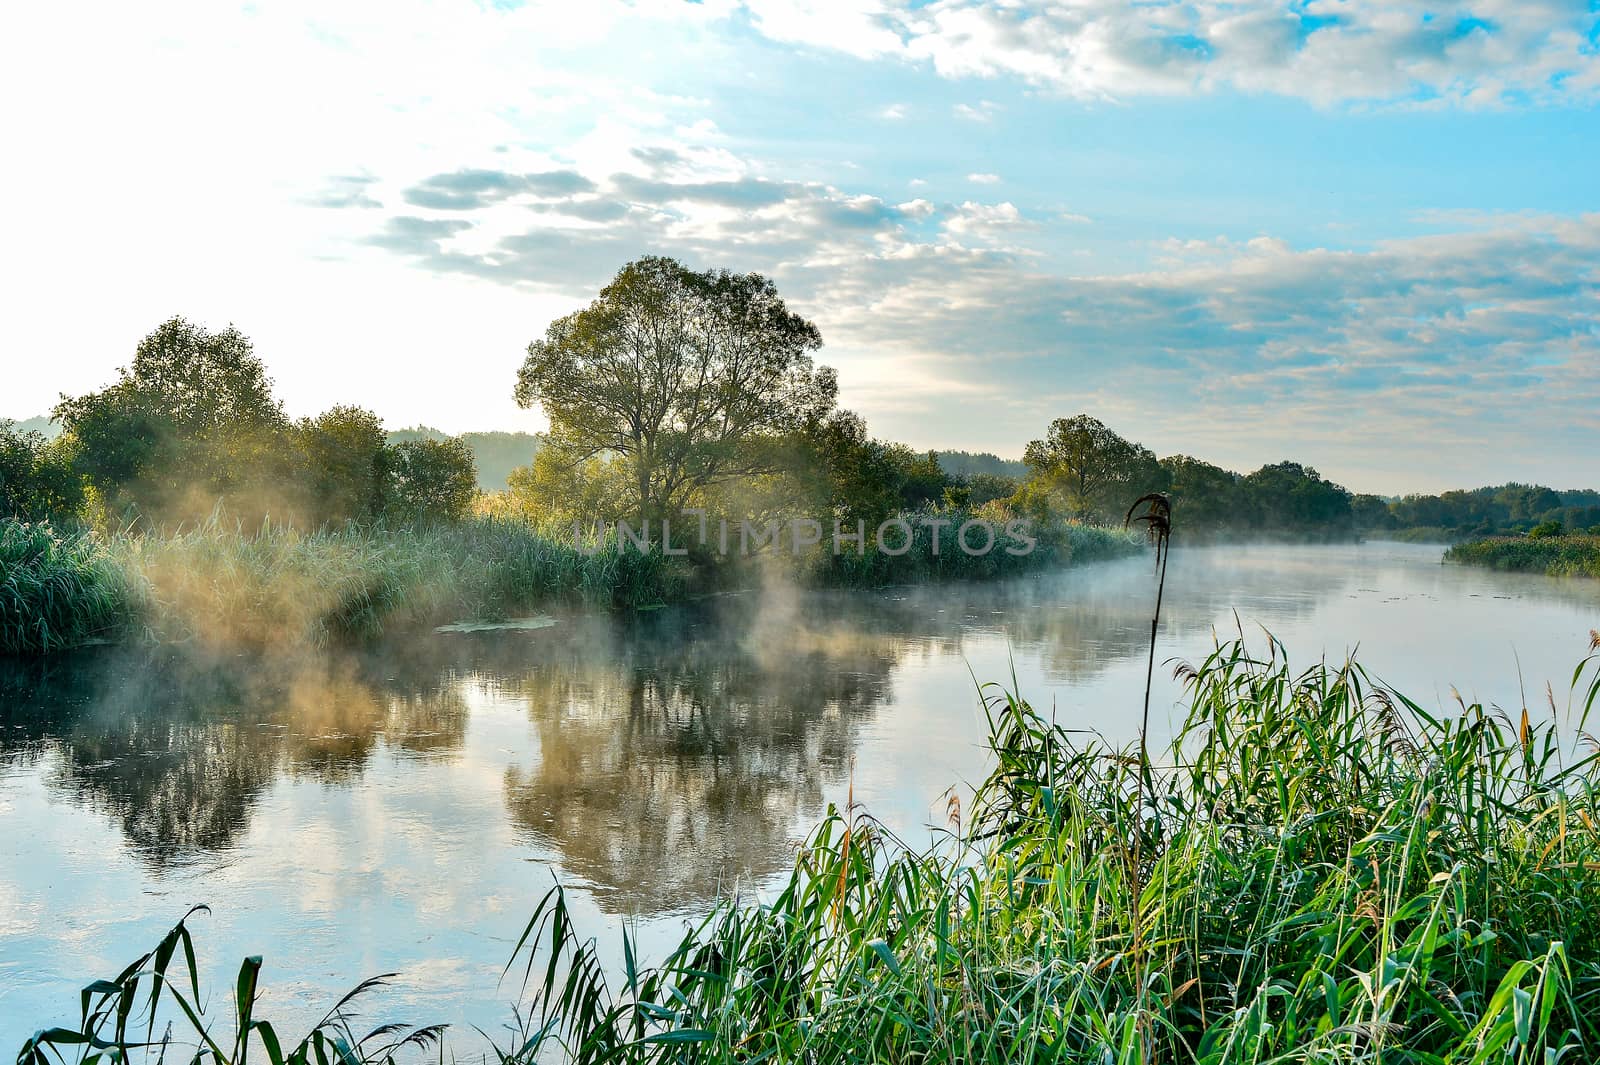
1361	234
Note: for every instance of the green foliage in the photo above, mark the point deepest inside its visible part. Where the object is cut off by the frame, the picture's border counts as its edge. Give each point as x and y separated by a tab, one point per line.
1547	528
689	376
59	590
935	551
108	1028
1287	497
1576	555
1316	870
846	474
429	480
984	488
277	586
191	419
1371	514
37	478
1323	872
1496	510
1094	471
497	454
1204	497
343	462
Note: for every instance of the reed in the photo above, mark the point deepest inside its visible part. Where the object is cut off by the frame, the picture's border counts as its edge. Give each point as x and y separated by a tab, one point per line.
1325	872
60	589
278	586
1056	544
1558	556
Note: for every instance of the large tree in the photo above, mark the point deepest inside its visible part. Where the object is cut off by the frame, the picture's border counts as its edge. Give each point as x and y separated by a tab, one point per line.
191	419
1286	497
344	462
689	376
1097	472
1204	496
429	480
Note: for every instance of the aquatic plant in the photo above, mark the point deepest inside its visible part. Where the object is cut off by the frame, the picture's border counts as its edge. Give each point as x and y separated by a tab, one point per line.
59	589
274	585
1557	556
1056	543
277	586
1323	872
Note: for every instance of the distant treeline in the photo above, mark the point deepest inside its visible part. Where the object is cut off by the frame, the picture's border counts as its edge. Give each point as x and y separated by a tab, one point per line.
191	428
969	463
1500	510
496	453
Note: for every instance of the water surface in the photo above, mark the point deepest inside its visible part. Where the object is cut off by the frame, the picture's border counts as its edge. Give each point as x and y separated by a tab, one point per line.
404	808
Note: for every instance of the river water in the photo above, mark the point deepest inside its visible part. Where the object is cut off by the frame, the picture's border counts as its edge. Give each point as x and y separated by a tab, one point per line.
403	809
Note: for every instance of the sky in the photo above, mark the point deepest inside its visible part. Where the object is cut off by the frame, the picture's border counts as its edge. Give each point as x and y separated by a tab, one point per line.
1361	235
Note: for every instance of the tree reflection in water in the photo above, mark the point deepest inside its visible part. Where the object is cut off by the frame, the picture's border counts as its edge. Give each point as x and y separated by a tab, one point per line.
671	753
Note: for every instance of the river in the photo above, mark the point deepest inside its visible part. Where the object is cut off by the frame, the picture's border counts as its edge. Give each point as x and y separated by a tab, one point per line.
402	809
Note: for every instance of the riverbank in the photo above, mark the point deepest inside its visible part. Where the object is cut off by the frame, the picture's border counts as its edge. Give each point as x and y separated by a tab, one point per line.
279	587
1315	867
1555	556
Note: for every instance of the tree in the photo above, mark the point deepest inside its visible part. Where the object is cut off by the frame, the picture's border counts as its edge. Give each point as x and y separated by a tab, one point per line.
1370	513
1096	471
1289	497
37	479
986	487
1204	497
191	419
343	462
854	477
429	480
548	488
685	374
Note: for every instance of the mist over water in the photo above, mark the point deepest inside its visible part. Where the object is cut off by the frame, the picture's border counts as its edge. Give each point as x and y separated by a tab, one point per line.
403	808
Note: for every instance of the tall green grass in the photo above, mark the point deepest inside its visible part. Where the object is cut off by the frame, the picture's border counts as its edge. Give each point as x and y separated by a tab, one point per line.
59	589
278	586
275	585
1557	556
1317	870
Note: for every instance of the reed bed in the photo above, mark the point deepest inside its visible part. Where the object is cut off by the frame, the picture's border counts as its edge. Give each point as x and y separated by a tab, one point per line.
1558	556
1316	870
1057	544
277	586
60	589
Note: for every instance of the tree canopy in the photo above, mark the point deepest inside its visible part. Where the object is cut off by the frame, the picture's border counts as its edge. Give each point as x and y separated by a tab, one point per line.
191	418
1095	471
689	376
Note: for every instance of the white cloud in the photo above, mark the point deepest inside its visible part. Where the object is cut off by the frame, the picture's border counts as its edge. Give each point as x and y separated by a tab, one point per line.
1487	53
894	112
982	111
1484	342
983	221
442	179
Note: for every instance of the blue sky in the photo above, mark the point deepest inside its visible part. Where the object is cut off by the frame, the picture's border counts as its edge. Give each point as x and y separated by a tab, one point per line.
1362	235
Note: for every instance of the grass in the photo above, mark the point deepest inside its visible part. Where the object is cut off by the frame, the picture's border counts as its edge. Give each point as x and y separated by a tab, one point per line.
276	586
1558	556
1316	870
59	590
